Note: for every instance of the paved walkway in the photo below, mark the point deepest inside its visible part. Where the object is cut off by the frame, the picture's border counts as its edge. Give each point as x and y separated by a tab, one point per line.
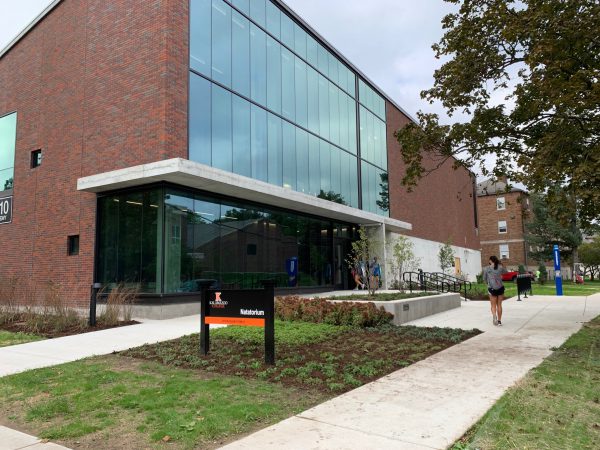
15	440
430	404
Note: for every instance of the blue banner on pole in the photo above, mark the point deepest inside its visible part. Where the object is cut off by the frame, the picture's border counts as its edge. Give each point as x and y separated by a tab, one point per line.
557	274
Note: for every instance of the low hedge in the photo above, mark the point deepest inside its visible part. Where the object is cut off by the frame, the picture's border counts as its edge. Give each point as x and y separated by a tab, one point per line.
361	315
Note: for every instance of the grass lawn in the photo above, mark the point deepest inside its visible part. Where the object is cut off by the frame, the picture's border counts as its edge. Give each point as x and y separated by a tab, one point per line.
569	288
169	396
9	338
380	296
556	406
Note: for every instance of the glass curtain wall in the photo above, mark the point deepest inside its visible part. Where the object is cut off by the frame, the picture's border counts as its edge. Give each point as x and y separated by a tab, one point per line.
265	95
212	239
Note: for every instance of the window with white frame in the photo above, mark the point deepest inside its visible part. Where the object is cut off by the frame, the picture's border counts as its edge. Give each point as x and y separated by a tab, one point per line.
504	254
501	203
502	226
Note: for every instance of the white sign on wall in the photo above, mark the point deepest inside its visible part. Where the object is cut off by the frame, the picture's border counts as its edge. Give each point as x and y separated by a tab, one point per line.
6	210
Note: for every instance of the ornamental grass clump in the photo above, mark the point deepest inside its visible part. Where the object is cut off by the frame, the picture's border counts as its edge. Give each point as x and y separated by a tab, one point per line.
362	315
119	304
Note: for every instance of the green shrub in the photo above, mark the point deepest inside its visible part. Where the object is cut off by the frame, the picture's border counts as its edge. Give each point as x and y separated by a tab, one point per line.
479	278
360	315
521	269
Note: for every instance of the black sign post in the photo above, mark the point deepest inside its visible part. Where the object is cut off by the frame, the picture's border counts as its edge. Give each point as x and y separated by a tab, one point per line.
243	307
523	285
6	209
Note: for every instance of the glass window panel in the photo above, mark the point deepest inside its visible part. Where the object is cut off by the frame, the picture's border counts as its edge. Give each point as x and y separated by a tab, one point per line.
259	143
354	181
288	90
258	65
287	31
179	242
370	137
334	114
342	78
323	60
377	151
8	138
242	163
363	132
273	20
206	252
325	160
200	120
336	183
200	36
242	5
258	12
333	68
302	180
382	189
324	106
273	75
275	150
108	239
240	54
343	120
312	51
221	42
301	93
383	143
366	187
289	155
351	83
299	41
345	161
352	125
221	129
314	172
130	237
313	100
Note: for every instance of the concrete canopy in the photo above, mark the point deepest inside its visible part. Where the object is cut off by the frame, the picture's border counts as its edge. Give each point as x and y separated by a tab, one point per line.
199	176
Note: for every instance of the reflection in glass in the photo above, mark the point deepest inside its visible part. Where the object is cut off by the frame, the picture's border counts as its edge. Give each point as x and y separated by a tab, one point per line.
259	143
258	65
221	42
221	129
200	120
240	54
242	162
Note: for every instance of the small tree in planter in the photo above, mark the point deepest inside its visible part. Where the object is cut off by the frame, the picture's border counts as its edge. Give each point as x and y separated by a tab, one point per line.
363	251
521	269
404	259
446	256
543	273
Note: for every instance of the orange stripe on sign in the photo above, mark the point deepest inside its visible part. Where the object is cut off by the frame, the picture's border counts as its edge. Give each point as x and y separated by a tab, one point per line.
234	321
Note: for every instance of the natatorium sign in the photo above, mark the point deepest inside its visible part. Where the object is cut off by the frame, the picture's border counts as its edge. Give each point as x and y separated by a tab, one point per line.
6	209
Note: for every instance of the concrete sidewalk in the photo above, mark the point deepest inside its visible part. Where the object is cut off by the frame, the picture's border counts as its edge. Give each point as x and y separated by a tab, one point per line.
433	402
50	352
15	440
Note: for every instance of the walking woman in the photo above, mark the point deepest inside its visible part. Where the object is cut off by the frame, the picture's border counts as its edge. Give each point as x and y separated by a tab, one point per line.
492	275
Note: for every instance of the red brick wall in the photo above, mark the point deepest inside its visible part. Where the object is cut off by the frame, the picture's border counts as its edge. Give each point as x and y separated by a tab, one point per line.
97	86
441	207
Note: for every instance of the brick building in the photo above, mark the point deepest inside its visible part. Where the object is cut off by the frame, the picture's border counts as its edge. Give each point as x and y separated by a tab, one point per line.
159	142
501	216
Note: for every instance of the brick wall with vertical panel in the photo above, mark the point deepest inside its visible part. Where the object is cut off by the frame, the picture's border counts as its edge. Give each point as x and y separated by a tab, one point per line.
97	86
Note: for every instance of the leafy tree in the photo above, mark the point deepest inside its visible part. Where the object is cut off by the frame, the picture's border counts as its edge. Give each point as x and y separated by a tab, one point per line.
446	256
521	269
525	74
589	255
543	273
544	230
364	249
8	184
404	258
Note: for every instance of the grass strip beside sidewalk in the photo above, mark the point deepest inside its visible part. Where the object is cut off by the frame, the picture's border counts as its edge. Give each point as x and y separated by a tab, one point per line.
556	406
10	338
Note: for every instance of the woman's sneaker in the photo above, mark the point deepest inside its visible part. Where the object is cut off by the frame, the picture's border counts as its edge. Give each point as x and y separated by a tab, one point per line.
495	320
499	323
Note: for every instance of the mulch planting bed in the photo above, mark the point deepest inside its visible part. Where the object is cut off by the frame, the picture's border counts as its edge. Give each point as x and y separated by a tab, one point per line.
338	363
49	332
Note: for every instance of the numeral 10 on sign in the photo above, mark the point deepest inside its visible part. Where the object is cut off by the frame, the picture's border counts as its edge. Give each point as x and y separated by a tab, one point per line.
5	210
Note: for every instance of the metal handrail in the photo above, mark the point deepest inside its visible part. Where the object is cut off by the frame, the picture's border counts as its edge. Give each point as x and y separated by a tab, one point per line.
424	281
458	283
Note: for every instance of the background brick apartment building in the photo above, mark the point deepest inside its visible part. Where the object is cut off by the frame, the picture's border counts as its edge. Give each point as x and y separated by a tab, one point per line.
501	216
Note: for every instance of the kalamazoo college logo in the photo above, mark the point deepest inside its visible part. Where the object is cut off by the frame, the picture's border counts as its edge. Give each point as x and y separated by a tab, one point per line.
218	302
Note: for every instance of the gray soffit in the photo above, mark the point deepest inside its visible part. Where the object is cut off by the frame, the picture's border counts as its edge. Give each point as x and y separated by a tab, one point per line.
32	24
198	176
284	6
